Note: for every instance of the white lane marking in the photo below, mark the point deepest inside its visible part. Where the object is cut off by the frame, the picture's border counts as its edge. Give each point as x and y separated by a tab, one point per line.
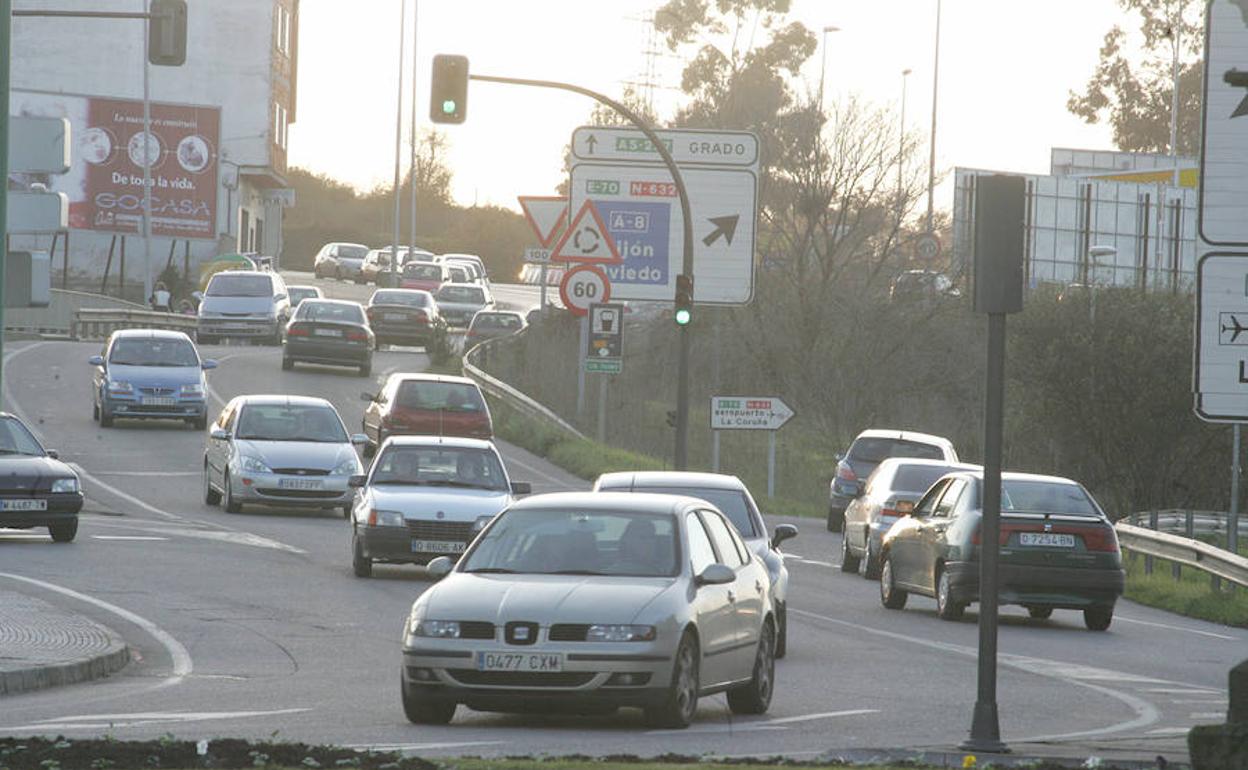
767	724
419	746
147	473
1170	731
1145	713
1185	690
1200	715
819	563
182	663
1176	628
175	716
824	715
127	537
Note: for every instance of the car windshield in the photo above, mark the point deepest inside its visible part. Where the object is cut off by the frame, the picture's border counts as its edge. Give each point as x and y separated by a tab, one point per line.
352	252
15	439
334	312
153	352
291	422
440	466
423	271
873	450
449	396
732	502
1034	496
615	543
470	295
458	274
917	478
299	295
226	285
504	321
405	298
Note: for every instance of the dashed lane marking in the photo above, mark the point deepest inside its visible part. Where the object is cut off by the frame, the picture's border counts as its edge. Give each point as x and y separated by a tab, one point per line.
143	719
765	724
128	537
1184	629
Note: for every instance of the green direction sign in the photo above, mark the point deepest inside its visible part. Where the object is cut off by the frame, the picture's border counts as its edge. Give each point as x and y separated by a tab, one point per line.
603	365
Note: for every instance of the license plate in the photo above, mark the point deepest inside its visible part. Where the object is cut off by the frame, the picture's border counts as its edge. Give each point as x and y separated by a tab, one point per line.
394	317
534	662
233	325
437	546
1049	539
23	505
327	332
159	401
300	483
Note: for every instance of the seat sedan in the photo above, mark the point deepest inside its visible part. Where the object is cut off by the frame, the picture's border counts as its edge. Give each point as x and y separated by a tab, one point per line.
459	302
283	451
426	497
329	331
889	493
1058	549
404	317
36	488
149	374
587	602
730	495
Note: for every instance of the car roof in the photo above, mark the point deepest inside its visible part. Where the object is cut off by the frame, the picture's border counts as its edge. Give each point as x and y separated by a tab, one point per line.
1020	476
463	285
906	435
147	334
264	273
346	243
487	313
270	398
303	286
448	441
425	377
401	291
641	479
889	462
610	501
330	301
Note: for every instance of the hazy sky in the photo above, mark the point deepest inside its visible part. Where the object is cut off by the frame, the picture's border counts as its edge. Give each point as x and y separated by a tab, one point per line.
1005	70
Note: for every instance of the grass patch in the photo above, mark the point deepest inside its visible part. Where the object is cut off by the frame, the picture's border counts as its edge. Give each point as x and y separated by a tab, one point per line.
584	763
1191	595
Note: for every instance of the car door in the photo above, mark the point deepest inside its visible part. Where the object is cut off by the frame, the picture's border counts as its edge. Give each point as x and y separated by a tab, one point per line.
745	595
216	455
932	535
99	377
905	537
712	610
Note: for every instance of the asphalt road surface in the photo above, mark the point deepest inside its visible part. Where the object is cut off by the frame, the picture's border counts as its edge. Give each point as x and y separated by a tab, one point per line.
252	625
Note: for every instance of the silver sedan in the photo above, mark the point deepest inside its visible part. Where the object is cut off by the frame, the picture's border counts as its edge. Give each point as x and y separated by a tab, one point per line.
590	602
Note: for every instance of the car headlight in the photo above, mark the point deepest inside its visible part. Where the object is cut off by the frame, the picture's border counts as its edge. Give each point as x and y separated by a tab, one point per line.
120	387
64	485
253	464
348	467
616	633
437	629
378	518
481	523
193	390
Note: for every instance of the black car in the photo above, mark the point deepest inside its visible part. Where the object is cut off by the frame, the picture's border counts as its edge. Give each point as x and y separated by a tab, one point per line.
404	317
329	331
36	489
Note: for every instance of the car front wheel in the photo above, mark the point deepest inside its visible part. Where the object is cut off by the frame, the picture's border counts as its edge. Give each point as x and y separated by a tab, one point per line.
63	531
211	496
361	565
755	697
849	562
891	596
426	712
681	702
946	607
231	505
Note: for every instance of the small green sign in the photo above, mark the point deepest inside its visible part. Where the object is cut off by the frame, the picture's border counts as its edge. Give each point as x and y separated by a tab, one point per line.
602	186
603	365
638	144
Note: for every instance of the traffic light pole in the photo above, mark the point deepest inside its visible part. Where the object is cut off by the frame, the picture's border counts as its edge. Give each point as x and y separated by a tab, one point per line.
6	48
680	460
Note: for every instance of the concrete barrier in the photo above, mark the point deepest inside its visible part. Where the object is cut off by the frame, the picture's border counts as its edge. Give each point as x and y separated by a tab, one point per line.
58	317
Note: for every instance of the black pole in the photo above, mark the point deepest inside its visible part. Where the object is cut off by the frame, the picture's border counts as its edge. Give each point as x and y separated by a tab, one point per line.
65	262
681	456
985	724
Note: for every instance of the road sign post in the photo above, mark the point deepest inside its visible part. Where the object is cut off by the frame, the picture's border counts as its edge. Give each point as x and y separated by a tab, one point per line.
582	287
750	413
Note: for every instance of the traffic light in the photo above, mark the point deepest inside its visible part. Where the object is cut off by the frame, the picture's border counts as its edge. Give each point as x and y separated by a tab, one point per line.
448	96
684	300
166	33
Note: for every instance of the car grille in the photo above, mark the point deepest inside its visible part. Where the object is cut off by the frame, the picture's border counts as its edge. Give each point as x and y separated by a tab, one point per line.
302	494
300	471
569	632
458	531
156	391
520	678
476	629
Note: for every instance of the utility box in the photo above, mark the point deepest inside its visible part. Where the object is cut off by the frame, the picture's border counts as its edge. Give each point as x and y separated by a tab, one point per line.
1000	210
28	279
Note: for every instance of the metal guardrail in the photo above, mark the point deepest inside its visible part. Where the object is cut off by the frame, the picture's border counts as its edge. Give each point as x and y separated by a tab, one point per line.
1182	550
1175	520
98	323
58	317
510	396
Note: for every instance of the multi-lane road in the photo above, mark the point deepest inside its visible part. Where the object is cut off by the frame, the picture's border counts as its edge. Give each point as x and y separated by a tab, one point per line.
252	624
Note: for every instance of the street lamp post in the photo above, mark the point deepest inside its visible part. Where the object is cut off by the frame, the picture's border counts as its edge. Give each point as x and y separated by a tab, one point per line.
931	160
823	63
901	133
1176	32
398	153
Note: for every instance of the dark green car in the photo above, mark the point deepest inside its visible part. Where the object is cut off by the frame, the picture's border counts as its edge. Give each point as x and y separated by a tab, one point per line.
1058	549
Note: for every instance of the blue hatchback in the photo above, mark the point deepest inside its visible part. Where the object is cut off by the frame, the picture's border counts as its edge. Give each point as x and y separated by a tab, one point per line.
149	373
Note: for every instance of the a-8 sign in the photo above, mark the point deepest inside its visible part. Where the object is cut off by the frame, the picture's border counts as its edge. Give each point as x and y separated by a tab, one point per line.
584	286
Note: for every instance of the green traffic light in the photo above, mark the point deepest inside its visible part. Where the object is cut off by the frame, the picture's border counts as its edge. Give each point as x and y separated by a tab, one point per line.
448	107
683	317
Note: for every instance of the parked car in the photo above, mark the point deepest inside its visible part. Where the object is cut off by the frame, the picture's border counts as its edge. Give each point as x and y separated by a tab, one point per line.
394	522
36	488
329	331
426	276
459	302
283	451
425	404
595	601
249	304
149	374
866	452
488	324
730	495
1058	549
340	260
298	293
404	317
889	493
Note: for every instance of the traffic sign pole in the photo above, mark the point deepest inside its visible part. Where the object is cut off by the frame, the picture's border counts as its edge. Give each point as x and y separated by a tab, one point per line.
580	367
771	463
6	47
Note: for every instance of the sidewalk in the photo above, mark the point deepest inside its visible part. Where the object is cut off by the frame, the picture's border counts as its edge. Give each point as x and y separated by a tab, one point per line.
42	646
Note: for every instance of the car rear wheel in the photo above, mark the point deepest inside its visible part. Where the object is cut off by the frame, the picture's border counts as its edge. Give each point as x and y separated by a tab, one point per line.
106	417
946	607
366	368
361	565
1040	613
782	636
836	519
211	496
287	364
891	596
426	712
871	570
755	697
95	411
849	562
231	505
1098	618
681	702
63	531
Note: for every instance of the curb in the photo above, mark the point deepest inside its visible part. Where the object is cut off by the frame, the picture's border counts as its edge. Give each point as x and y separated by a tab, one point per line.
58	674
944	758
42	646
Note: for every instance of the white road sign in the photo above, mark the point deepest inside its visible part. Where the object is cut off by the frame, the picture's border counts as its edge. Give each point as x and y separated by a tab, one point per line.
1223	214
620	171
749	413
39	145
37	212
584	286
1221	367
546	215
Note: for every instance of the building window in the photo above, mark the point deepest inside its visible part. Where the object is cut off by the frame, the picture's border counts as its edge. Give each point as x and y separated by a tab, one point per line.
280	125
282	30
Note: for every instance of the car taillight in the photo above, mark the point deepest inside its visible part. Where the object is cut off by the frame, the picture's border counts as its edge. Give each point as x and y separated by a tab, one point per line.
1100	539
845	472
357	336
298	331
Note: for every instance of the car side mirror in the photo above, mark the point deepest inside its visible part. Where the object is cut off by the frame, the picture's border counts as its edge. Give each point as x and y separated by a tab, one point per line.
96	360
716	575
783	532
521	488
368	396
357	481
219	434
905	508
440	567
208	363
359	439
55	455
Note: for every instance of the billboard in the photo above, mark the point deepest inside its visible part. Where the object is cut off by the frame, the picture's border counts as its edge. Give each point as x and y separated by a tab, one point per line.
105	180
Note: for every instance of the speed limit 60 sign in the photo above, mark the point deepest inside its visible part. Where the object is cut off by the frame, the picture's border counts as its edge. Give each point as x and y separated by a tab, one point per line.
584	286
